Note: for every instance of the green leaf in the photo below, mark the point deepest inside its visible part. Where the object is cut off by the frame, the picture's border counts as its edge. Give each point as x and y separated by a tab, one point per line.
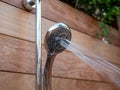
97	35
102	24
105	32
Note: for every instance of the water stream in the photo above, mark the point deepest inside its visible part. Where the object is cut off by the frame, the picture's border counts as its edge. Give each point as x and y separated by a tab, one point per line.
104	67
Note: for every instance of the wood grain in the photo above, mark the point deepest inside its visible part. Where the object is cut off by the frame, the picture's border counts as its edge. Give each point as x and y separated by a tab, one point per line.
18	23
74	18
68	84
15	50
17	55
17	3
14	81
13	25
60	12
72	67
93	45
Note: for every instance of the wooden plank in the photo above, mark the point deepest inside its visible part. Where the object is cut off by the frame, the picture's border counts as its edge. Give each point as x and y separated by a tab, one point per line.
60	12
68	15
74	18
68	84
13	25
17	55
17	3
72	67
93	45
82	40
17	22
14	81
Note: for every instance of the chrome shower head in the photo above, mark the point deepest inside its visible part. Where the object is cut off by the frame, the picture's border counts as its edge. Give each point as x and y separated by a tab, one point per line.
55	34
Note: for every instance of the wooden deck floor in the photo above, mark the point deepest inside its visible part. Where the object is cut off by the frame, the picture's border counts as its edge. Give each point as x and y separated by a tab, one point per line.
17	49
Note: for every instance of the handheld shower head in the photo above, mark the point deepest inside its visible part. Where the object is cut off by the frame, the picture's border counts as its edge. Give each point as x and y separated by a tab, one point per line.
55	34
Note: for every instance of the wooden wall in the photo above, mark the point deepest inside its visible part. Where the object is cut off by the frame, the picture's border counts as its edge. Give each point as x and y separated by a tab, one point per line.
17	49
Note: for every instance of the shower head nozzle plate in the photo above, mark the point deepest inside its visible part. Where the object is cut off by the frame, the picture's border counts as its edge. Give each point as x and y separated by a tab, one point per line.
55	34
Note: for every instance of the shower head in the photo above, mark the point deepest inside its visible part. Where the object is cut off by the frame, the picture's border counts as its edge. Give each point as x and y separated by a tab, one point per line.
55	34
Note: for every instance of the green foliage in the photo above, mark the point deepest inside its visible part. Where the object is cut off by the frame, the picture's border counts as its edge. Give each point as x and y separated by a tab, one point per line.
103	10
105	30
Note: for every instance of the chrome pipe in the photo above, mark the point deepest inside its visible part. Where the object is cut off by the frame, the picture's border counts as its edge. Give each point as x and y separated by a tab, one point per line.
39	44
30	5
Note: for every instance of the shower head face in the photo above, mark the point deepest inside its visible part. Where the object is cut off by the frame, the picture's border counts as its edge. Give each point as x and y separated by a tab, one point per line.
55	34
